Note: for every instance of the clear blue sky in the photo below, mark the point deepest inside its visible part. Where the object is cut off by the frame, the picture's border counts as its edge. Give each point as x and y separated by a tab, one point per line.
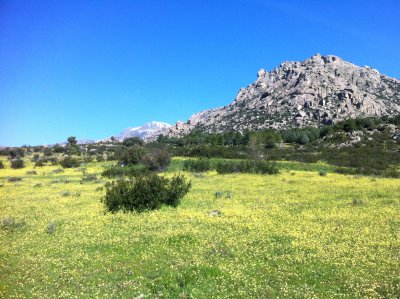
93	68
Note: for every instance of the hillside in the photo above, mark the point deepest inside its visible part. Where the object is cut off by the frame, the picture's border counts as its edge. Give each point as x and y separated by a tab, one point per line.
319	90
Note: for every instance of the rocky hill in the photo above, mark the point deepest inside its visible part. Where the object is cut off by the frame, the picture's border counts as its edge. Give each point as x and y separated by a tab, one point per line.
319	90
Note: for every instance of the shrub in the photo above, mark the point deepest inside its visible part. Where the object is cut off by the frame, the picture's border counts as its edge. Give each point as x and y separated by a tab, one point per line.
322	173
88	177
35	158
69	162
99	158
58	170
200	165
132	141
51	227
47	152
17	163
39	163
132	155
157	160
130	170
14	179
247	166
1	165
31	172
10	223
144	193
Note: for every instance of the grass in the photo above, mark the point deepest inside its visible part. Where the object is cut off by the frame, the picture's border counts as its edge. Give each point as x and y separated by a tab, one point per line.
292	235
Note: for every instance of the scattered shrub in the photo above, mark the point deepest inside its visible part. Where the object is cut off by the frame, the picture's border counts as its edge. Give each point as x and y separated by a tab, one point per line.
58	170
17	163
39	163
100	158
199	165
35	158
218	194
69	162
132	141
145	192
38	185
129	170
14	179
1	165
132	155
322	173
10	224
247	166
88	177
47	152
157	160
51	227
31	172
356	202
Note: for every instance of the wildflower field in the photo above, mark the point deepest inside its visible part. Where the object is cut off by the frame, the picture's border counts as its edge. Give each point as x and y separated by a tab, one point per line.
296	234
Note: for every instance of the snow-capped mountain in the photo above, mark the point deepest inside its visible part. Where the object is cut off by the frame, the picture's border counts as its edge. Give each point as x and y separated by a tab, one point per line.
148	132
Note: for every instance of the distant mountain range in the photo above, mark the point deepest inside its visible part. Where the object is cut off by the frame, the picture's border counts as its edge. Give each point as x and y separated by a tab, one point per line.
148	132
319	90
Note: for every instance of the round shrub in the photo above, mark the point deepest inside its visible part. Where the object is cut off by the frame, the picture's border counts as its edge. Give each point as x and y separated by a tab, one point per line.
157	160
143	193
132	155
69	162
1	165
17	163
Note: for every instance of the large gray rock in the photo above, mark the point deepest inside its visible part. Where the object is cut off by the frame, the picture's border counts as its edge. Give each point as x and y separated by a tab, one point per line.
321	89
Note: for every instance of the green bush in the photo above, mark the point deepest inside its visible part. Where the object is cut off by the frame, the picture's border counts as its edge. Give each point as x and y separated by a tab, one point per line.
129	170
69	162
143	193
39	163
1	165
132	141
132	155
247	166
17	163
200	165
157	160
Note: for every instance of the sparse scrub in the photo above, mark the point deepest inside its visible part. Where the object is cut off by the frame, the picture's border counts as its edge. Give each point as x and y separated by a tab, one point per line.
129	170
14	179
10	224
247	166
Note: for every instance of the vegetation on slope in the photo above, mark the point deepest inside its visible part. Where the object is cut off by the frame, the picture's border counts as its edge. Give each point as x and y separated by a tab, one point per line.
296	234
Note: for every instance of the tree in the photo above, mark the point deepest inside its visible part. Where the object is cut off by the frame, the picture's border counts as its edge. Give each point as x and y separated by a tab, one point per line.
132	155
72	140
132	141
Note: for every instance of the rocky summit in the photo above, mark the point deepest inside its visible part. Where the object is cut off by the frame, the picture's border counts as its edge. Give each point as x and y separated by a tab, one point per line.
319	90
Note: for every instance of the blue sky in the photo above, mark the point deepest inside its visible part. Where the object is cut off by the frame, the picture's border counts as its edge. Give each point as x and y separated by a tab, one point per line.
92	68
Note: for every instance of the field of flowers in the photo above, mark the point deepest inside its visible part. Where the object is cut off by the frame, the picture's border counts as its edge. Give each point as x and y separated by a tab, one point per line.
297	234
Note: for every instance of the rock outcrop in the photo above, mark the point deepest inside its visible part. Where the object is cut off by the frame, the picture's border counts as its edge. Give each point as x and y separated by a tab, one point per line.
319	90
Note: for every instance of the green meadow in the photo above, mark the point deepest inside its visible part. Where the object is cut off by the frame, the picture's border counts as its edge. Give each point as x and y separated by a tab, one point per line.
296	234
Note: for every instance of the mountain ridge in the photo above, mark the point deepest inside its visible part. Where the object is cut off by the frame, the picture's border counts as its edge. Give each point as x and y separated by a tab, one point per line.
319	90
